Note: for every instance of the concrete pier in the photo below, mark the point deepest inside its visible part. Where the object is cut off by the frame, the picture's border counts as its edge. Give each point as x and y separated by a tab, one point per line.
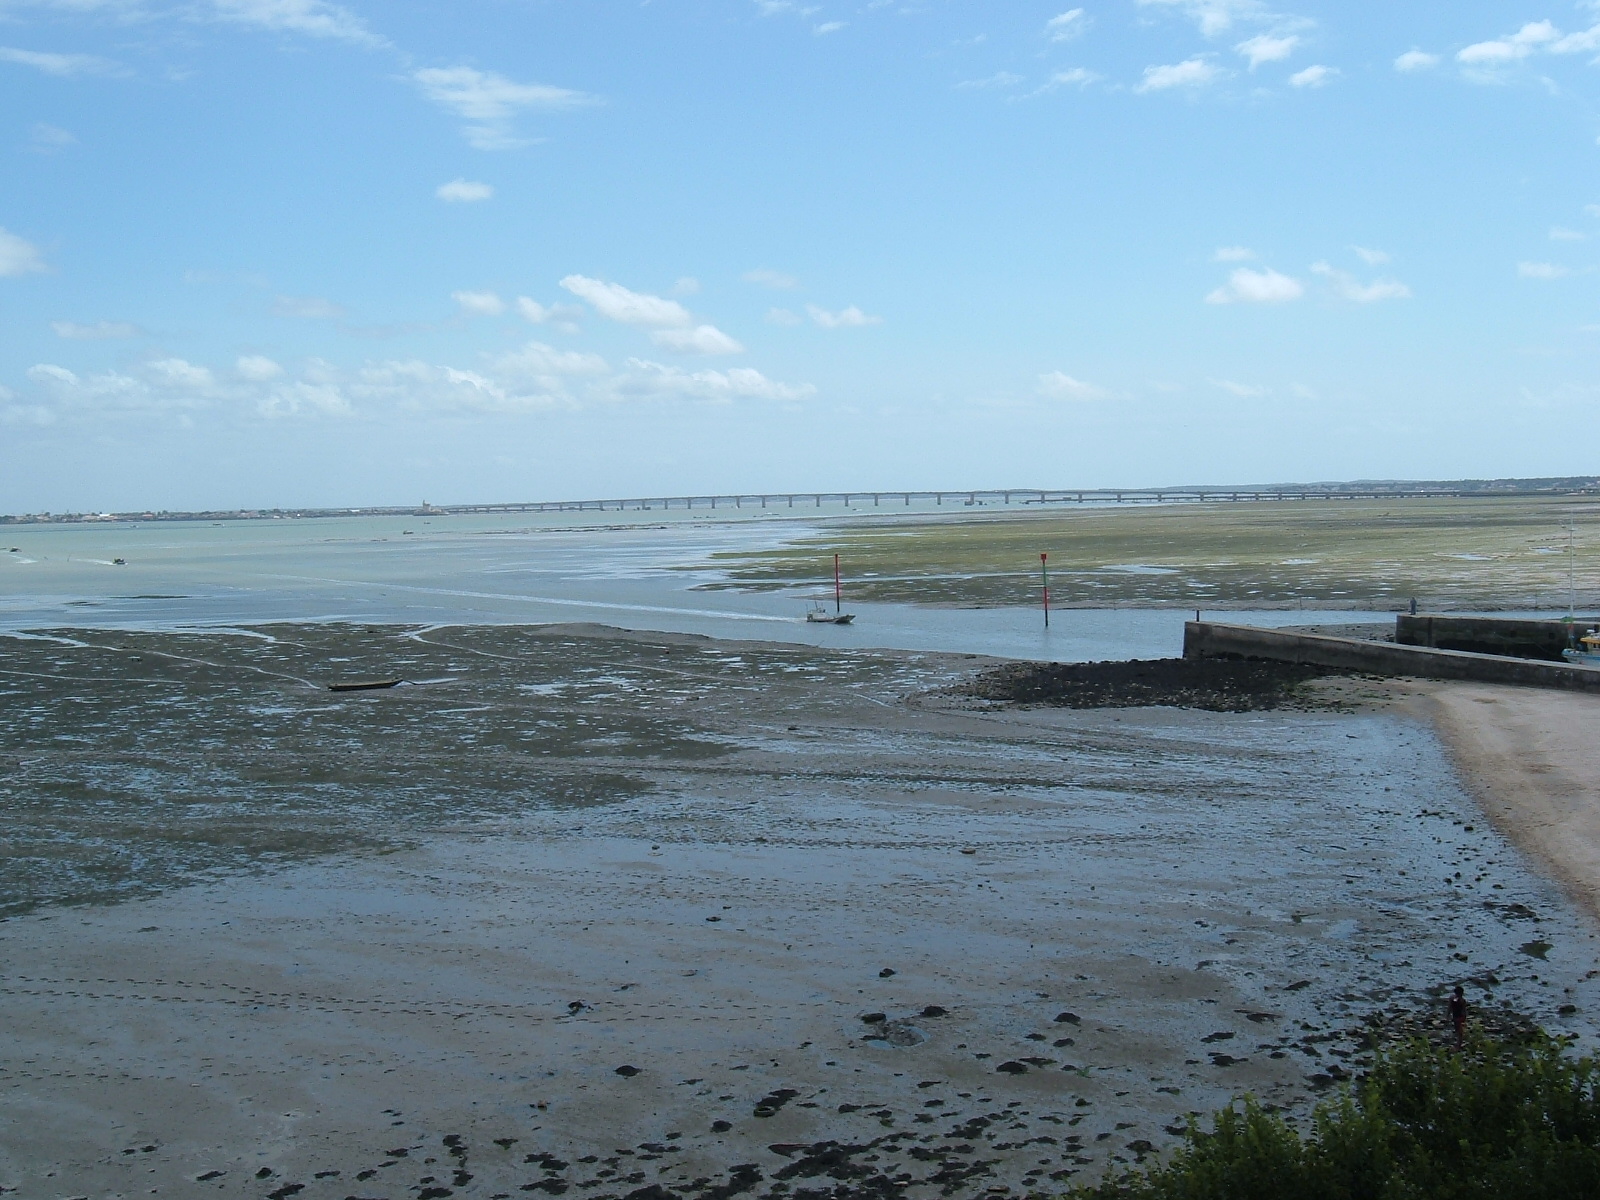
1208	639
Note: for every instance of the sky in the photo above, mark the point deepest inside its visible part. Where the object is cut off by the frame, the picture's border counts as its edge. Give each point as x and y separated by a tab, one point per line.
260	253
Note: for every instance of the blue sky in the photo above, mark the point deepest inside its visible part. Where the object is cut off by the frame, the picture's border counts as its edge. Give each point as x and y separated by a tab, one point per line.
261	252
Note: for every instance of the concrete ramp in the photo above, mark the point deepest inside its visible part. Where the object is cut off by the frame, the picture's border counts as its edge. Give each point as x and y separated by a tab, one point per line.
1209	639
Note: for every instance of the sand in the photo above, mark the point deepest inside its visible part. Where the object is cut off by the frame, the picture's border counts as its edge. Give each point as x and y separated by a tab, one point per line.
1532	758
1079	927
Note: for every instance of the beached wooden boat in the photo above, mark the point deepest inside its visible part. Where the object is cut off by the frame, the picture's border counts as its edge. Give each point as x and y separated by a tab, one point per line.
819	615
364	685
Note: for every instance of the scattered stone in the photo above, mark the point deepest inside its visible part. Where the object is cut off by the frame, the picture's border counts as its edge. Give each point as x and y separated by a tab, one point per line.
875	1018
627	1072
1012	1068
1067	1018
934	1010
886	972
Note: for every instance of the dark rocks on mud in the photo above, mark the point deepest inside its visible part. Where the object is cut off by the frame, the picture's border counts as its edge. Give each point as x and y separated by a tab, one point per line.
1219	685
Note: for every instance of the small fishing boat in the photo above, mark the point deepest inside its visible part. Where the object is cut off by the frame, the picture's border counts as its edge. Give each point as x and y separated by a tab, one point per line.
1586	652
364	685
819	614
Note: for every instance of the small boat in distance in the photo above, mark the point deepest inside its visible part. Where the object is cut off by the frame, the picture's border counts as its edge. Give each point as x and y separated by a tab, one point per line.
1586	652
364	685
819	614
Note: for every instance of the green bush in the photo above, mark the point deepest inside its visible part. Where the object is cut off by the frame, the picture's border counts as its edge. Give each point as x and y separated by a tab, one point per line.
1496	1121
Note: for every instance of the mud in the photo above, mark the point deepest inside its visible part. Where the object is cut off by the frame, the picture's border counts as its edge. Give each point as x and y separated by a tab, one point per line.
1216	685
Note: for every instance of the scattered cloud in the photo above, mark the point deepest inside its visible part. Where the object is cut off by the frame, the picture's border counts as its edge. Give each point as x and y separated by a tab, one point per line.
313	18
1068	25
771	279
847	318
1267	286
100	331
828	27
1061	386
1373	258
1078	77
307	308
18	256
50	139
1000	79
1267	48
783	316
687	285
64	66
479	304
646	379
535	313
1541	270
617	303
1313	77
1243	390
1214	17
1233	254
1519	45
490	102
257	368
1348	287
1194	72
1416	60
1561	234
464	191
702	339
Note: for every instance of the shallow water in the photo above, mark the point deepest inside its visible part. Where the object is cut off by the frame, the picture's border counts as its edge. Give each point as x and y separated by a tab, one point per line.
529	568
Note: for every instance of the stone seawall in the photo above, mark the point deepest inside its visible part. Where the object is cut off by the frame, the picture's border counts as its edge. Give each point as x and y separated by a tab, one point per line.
1207	639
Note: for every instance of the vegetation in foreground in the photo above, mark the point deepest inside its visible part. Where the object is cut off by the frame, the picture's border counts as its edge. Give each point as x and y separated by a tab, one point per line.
1498	1121
1450	553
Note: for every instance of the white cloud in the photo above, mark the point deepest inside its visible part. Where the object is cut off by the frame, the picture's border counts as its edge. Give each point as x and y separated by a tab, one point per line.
1067	26
1560	234
1243	390
1266	48
1516	46
1079	77
702	339
65	66
100	331
1373	258
1314	76
1349	288
18	256
490	101
1245	286
1416	60
479	304
1233	254
783	316
307	308
179	373
539	361
533	312
1194	72
617	303
1541	270
257	368
1214	16
1000	79
828	27
687	285
651	379
771	279
314	18
1062	386
50	139
464	191
847	318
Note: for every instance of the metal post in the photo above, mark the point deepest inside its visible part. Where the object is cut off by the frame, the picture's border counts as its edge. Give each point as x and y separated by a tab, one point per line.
1044	569
838	591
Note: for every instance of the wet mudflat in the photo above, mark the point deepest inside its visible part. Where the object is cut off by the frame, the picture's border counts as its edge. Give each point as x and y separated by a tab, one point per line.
675	916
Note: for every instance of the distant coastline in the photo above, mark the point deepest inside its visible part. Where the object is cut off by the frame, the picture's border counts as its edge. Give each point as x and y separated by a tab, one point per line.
741	501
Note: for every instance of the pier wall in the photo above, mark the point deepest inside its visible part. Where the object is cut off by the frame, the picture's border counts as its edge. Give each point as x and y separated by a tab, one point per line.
1208	639
1489	635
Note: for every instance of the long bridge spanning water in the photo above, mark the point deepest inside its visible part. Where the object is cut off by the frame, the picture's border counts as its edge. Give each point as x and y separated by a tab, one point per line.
856	501
974	499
